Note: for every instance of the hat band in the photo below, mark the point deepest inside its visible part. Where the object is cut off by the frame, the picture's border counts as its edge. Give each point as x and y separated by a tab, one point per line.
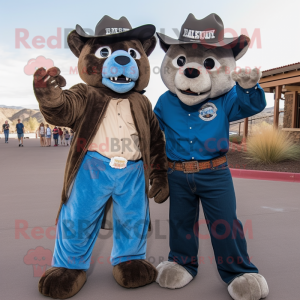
110	30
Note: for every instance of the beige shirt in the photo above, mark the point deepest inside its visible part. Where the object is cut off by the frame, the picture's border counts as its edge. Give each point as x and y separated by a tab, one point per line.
117	135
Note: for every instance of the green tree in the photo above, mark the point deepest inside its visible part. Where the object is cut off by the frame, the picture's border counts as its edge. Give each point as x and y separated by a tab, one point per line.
31	125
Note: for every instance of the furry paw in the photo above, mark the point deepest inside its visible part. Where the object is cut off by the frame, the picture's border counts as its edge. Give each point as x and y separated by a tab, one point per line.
172	275
245	78
134	273
61	283
250	286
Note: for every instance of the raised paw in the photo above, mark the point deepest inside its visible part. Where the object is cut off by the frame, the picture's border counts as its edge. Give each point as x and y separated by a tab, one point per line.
48	83
61	283
134	273
250	286
172	275
246	78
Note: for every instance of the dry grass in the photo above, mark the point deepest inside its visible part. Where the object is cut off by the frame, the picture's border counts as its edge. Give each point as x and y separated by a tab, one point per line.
269	145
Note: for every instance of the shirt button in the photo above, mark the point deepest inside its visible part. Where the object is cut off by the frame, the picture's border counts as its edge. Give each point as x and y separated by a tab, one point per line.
256	87
247	92
192	157
118	114
121	140
190	127
189	115
191	142
120	126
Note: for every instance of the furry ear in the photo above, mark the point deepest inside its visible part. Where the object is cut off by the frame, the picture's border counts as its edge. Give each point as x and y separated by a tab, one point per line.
241	47
149	45
76	42
164	46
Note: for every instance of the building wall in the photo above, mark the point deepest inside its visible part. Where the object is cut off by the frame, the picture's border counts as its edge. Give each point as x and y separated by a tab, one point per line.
295	135
288	111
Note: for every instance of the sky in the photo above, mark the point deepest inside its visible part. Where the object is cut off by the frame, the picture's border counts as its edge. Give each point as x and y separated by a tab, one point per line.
274	23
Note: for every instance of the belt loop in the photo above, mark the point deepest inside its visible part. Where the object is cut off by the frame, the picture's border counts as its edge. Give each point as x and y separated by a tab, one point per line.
174	164
211	164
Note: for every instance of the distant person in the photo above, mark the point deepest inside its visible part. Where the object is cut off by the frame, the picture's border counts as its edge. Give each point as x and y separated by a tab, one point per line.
42	131
55	136
5	128
67	137
64	136
48	136
20	132
60	133
71	136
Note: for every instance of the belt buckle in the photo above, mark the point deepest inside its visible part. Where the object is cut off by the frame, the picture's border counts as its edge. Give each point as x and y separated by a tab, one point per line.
118	162
191	171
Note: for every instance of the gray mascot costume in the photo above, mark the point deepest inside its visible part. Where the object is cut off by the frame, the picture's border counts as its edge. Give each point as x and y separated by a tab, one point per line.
206	92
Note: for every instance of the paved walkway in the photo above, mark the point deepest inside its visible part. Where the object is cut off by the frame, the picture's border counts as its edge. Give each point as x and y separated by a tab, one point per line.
31	180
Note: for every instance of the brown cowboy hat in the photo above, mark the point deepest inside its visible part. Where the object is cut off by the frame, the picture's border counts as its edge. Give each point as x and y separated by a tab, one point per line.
112	29
209	32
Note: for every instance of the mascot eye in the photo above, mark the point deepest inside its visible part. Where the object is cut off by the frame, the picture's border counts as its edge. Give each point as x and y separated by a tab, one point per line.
211	64
103	52
179	61
133	53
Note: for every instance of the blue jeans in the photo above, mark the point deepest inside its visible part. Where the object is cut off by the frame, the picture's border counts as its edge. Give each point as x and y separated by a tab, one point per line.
81	217
6	134
214	187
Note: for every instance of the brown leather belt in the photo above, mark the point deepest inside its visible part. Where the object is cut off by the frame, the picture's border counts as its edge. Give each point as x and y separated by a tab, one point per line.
196	166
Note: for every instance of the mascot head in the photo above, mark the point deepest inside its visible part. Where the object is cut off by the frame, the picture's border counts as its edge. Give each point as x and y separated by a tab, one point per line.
197	66
116	57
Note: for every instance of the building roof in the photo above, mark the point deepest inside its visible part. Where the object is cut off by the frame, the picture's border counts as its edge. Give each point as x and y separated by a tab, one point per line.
278	70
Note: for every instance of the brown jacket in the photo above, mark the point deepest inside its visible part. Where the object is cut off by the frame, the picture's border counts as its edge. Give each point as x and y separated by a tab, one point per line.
82	108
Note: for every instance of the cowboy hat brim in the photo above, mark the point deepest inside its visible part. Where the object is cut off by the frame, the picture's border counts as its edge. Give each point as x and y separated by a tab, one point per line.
237	44
142	33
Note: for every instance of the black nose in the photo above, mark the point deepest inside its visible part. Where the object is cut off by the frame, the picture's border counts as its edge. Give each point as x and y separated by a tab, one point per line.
191	73
122	60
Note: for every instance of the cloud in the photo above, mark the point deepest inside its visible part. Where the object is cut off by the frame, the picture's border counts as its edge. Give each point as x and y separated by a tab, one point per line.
39	62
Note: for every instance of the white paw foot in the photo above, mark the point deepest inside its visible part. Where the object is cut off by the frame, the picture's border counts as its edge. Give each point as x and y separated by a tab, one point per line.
246	78
172	275
250	286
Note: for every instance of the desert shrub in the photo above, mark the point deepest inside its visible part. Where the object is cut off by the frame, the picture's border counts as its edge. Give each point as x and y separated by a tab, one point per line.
270	145
237	139
31	125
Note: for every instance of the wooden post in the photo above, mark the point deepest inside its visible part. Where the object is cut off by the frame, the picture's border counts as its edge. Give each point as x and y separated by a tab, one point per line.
294	109
245	134
278	90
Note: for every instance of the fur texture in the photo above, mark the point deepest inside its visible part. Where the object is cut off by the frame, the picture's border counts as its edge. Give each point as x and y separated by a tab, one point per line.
172	275
61	283
134	273
250	286
210	83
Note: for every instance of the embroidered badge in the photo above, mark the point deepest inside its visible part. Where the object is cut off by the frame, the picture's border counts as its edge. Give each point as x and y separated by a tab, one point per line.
208	111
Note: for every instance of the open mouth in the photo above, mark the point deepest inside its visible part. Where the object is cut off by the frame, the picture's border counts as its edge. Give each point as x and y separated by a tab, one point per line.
190	93
120	79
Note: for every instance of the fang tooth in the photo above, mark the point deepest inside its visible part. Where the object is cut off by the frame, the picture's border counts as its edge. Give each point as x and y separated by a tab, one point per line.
127	78
111	78
116	78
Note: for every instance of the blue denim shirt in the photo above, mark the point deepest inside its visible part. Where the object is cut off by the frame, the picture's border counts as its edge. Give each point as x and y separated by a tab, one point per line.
201	132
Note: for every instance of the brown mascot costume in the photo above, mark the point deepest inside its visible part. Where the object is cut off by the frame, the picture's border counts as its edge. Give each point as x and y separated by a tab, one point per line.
118	149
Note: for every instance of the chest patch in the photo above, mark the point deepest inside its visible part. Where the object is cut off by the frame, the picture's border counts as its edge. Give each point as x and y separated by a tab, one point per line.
208	111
